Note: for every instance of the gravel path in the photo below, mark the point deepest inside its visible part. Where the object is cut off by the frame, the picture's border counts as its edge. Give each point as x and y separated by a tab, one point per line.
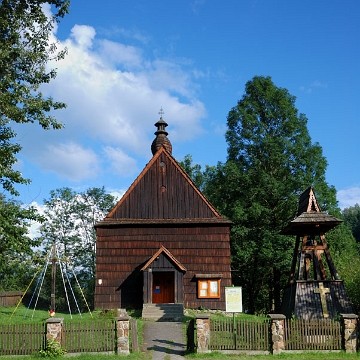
165	340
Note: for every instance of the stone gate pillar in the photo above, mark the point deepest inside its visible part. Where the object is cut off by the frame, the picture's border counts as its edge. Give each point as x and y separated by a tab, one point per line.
277	332
350	324
54	329
203	333
123	344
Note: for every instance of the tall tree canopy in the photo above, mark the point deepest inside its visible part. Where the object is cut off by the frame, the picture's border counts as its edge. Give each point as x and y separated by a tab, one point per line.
25	50
352	219
15	243
194	171
271	160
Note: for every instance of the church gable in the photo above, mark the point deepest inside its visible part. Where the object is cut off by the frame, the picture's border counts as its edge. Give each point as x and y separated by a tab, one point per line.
163	191
161	255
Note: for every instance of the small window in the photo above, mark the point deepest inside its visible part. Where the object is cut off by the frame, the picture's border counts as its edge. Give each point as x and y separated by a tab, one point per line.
209	288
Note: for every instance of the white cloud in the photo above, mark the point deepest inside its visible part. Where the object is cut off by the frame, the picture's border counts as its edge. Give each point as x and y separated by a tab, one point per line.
169	76
120	162
83	36
70	160
348	197
116	193
113	95
195	5
119	54
314	85
318	84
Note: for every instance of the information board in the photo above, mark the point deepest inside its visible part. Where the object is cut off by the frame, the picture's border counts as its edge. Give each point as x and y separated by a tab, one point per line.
233	299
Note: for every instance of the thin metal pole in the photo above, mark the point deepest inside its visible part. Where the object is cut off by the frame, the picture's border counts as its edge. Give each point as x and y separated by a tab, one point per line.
53	277
234	330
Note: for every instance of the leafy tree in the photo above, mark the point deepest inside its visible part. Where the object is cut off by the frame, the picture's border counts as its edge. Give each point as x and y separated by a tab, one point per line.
15	244
352	219
91	207
344	246
25	50
69	223
271	160
194	171
8	150
348	266
60	221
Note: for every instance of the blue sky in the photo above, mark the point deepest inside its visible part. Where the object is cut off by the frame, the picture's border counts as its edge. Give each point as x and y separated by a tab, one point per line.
127	58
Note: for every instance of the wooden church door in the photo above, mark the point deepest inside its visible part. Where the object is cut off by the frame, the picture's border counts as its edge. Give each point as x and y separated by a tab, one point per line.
163	287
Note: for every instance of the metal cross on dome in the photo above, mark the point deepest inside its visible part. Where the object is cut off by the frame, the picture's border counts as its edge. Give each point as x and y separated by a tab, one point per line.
161	112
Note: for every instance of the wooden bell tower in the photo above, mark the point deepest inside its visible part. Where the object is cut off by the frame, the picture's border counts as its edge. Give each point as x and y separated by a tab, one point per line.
315	290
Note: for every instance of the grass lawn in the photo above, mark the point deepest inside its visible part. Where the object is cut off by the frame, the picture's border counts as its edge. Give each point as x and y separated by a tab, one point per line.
283	356
21	315
133	356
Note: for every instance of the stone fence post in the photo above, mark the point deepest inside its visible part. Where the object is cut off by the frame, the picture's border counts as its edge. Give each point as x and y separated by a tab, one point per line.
203	333
277	333
54	329
123	344
350	323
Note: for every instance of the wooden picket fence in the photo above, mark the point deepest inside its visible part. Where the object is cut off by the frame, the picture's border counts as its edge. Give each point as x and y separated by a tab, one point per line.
28	339
21	339
94	336
252	335
315	334
225	334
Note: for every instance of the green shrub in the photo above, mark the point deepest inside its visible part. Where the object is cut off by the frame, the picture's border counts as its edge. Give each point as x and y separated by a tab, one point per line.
52	349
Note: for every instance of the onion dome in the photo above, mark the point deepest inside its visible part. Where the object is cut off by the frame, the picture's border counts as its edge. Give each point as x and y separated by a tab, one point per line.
161	139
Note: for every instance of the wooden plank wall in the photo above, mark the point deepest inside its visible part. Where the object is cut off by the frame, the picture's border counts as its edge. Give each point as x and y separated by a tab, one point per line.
121	252
10	298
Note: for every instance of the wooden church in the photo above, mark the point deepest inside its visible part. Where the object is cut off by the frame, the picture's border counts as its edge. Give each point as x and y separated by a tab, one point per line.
163	243
315	290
